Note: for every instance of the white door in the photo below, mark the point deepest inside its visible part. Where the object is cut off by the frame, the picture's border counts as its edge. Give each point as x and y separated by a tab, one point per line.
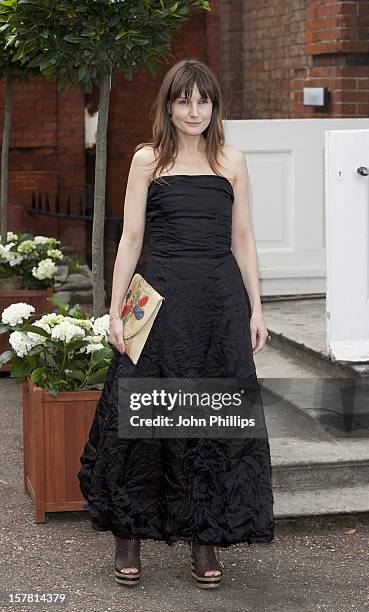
285	158
347	235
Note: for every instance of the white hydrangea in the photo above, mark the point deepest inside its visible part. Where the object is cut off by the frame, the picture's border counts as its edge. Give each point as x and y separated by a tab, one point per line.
55	253
40	239
36	337
67	332
101	326
26	247
91	348
52	242
52	318
11	236
94	339
84	323
14	259
8	246
20	343
45	269
11	257
17	313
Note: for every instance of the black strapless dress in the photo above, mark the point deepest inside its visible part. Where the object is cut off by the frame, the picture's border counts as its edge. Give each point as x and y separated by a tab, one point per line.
212	491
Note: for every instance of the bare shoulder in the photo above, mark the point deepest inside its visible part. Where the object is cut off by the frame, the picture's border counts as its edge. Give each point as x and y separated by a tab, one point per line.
233	161
145	156
142	163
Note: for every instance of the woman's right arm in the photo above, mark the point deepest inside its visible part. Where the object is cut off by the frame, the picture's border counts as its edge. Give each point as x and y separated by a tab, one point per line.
131	241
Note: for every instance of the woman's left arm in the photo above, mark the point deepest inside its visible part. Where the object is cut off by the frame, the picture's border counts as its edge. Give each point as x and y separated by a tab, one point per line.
244	249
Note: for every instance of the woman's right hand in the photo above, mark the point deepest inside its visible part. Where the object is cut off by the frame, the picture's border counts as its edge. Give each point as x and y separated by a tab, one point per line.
116	335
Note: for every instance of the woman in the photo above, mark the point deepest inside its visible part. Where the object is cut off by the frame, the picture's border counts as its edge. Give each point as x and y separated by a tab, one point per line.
208	492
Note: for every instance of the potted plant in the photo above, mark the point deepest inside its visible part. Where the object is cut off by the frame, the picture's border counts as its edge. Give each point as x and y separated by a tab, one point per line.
30	271
62	361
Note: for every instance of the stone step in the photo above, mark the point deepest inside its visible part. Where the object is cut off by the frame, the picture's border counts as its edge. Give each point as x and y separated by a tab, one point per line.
75	297
337	500
297	327
78	289
313	470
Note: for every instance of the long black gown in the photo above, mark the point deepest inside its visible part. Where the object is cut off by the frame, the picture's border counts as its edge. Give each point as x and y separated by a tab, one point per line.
212	491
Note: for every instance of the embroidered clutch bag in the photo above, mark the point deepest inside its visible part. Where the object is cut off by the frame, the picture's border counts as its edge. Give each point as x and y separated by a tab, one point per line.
142	303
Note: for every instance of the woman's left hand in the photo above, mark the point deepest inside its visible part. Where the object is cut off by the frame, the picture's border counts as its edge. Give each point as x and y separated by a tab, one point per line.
259	332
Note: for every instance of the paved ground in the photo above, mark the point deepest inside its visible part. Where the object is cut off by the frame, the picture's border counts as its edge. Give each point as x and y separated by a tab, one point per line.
313	564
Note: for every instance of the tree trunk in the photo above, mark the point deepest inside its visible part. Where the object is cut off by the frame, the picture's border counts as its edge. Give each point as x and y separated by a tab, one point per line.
98	285
5	158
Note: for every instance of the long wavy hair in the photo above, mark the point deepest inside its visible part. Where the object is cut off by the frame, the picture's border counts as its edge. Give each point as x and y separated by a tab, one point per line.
181	78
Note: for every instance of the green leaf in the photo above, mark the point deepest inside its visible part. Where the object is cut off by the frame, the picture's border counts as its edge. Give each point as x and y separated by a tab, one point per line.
97	377
48	62
73	38
5	273
83	72
4	328
51	361
37	375
77	375
36	330
62	307
77	312
120	35
20	368
6	356
97	356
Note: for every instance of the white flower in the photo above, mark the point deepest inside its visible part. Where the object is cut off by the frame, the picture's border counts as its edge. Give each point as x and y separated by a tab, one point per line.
91	348
45	269
26	247
101	326
11	257
20	343
16	313
95	339
10	236
35	336
67	331
40	239
52	318
14	259
55	253
84	323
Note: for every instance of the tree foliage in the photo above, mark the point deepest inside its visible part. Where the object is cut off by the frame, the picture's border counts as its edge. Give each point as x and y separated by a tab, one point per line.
77	40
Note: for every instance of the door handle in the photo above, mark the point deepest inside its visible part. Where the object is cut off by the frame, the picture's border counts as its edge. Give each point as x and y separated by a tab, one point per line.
362	170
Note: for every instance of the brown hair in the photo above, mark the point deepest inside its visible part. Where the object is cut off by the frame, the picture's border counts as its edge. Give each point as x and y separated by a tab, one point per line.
182	77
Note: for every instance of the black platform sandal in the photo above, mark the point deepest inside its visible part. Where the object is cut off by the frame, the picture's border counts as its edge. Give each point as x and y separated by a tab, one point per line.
127	555
203	560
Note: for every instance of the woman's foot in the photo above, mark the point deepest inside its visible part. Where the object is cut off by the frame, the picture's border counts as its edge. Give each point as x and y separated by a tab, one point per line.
204	557
127	560
206	569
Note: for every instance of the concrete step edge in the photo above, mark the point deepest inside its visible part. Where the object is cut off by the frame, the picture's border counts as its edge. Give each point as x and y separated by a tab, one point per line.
311	357
305	476
338	500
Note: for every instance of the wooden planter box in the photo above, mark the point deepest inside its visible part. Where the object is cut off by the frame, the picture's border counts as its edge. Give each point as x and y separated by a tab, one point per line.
55	431
35	297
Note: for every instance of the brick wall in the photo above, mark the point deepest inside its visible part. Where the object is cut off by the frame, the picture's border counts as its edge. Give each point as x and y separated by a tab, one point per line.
274	52
305	43
46	154
337	46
